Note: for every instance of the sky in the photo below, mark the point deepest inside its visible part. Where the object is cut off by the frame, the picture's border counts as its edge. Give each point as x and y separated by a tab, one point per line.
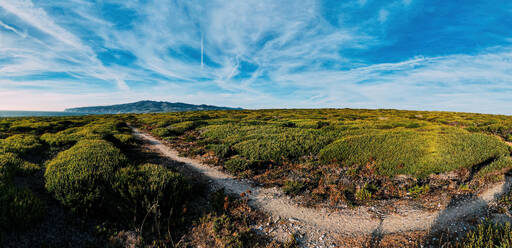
453	55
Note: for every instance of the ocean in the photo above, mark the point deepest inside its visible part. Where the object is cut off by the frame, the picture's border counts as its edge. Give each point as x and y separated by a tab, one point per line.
37	113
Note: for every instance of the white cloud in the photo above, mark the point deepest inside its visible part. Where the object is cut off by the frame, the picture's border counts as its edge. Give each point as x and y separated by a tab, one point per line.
289	45
38	18
361	2
383	15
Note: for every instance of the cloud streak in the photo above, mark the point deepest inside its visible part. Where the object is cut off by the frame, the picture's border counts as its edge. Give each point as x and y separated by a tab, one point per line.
255	54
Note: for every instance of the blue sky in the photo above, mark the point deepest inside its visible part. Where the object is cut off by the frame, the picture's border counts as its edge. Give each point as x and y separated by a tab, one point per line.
406	54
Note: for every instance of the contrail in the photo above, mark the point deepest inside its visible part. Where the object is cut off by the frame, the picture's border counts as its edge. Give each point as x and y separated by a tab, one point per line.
202	51
12	29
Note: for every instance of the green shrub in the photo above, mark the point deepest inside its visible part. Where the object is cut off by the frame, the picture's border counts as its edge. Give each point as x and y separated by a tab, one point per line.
288	124
99	129
413	125
236	165
143	186
418	191
293	187
21	144
281	144
501	163
365	194
60	139
488	235
180	128
125	139
222	150
11	164
321	124
19	208
413	153
161	132
81	177
31	125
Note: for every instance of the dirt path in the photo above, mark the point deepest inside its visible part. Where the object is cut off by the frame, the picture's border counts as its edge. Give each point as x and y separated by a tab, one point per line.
348	221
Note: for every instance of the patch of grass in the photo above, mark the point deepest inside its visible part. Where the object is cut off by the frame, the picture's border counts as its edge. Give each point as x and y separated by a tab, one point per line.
418	190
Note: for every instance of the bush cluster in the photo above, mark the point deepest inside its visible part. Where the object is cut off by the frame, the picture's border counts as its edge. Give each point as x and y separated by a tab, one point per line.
236	165
81	177
11	164
21	144
488	235
297	145
144	186
19	208
412	153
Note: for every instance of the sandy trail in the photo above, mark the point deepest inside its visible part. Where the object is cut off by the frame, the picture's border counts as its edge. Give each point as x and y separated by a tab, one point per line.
358	221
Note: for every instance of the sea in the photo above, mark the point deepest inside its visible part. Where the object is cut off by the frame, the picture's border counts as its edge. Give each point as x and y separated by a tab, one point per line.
37	113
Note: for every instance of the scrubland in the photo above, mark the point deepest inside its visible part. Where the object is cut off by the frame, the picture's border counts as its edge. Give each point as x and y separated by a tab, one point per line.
345	156
113	193
94	169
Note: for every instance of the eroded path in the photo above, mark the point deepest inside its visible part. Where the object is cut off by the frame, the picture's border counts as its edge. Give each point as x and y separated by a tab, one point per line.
358	221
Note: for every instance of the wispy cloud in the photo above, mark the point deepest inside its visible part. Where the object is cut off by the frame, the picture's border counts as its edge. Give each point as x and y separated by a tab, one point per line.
256	54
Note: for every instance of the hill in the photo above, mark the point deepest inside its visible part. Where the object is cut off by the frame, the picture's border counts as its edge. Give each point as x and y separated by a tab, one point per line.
146	107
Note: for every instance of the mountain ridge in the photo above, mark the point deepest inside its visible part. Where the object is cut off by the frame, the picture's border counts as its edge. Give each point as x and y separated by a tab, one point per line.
146	106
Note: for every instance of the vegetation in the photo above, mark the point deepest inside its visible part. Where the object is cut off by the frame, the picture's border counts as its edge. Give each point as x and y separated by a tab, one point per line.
81	177
83	163
144	107
19	208
143	186
20	143
488	235
279	147
415	153
335	156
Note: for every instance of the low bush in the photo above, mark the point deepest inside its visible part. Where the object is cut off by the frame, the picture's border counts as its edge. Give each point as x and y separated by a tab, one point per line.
412	153
19	208
418	191
293	187
236	165
221	150
161	132
180	128
21	144
60	139
488	235
143	186
125	139
11	164
281	144
501	163
81	177
99	129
